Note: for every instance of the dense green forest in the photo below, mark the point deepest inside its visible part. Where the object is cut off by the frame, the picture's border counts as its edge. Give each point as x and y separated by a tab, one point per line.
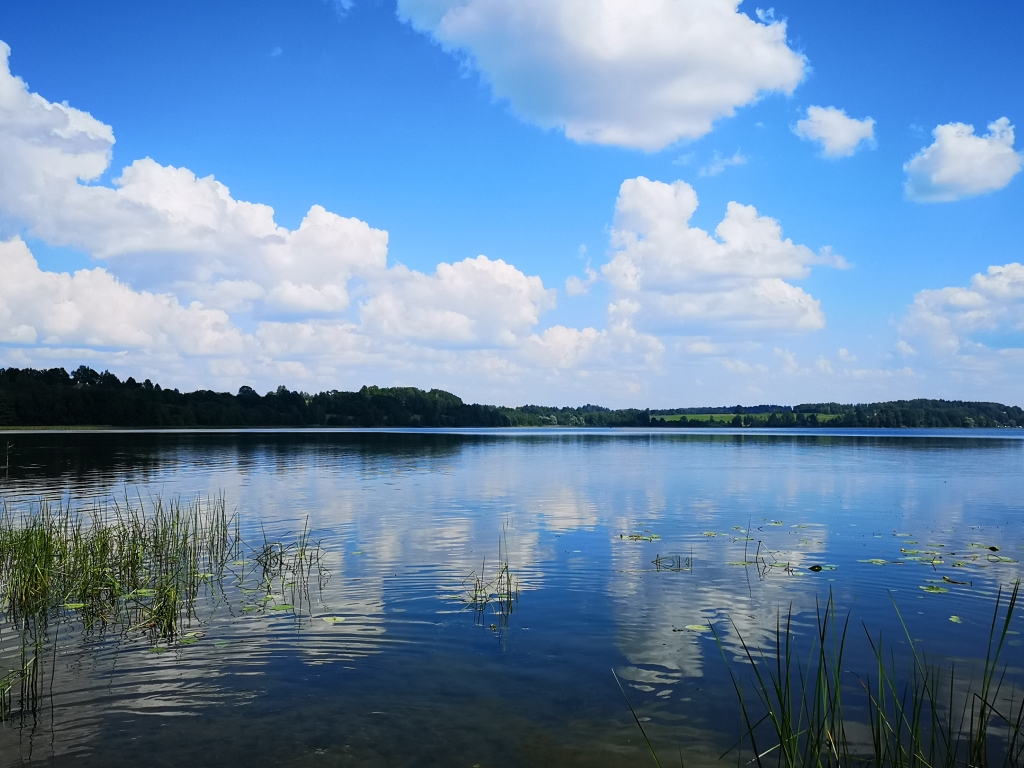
56	398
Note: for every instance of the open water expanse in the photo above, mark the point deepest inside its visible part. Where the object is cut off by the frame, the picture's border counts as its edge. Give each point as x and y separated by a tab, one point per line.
625	545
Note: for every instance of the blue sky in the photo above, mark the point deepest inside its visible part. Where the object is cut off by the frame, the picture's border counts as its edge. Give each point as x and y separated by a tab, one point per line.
507	129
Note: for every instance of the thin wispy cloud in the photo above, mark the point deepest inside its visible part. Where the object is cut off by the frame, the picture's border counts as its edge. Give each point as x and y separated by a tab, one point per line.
719	163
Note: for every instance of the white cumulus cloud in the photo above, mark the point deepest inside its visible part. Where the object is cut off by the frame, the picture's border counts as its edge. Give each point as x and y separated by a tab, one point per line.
632	73
678	275
188	266
838	135
960	164
168	227
91	308
562	347
949	317
471	301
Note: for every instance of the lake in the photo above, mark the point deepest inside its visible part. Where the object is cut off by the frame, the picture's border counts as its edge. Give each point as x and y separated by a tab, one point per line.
624	546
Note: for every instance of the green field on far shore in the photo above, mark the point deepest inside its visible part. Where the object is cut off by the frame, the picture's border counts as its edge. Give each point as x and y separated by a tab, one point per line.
728	417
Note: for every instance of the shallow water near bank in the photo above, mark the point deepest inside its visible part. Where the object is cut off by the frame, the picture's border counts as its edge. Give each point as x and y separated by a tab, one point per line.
624	545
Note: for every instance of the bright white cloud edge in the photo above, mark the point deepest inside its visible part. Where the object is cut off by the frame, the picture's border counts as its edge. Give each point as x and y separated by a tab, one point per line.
836	133
953	320
960	164
633	73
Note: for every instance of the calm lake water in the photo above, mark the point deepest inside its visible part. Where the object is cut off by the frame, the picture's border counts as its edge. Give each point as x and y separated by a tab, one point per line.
625	545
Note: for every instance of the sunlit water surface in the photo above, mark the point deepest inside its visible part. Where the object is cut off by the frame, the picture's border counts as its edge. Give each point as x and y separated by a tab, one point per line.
414	677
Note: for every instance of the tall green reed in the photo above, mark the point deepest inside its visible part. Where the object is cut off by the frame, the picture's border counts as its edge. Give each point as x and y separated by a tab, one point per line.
919	715
499	591
120	563
282	565
132	567
122	566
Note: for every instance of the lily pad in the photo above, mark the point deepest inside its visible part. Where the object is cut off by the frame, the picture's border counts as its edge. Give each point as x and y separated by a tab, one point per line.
815	568
934	590
874	561
187	640
698	627
221	643
282	607
334	619
1000	559
74	606
955	619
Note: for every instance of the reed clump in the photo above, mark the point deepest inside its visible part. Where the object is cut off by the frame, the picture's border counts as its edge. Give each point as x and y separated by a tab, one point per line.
140	569
918	714
121	563
282	566
498	591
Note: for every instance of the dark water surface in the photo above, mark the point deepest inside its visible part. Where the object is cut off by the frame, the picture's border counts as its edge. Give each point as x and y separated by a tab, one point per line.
413	677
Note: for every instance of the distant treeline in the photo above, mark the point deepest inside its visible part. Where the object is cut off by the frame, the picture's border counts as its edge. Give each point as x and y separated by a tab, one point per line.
918	414
86	398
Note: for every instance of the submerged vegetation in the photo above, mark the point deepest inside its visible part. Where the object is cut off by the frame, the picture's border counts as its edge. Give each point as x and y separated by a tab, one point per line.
135	570
85	397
